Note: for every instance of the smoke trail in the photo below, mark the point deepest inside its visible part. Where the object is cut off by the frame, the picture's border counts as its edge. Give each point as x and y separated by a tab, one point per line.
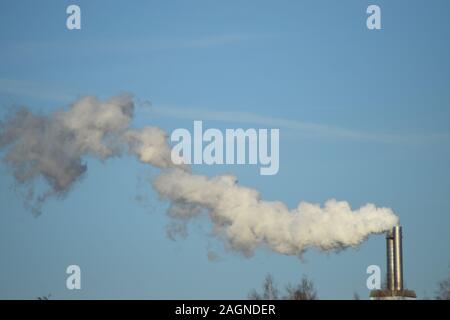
246	222
53	147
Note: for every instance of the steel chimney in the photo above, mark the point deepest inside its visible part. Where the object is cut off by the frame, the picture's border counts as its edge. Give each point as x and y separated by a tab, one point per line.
394	259
390	258
398	258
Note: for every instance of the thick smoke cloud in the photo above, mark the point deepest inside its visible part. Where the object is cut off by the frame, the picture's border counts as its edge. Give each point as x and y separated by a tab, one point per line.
246	222
150	146
53	148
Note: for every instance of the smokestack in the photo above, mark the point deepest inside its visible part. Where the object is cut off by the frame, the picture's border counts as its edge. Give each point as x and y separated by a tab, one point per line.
390	260
394	259
398	260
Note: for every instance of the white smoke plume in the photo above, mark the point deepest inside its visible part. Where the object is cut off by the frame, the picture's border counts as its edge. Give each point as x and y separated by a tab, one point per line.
53	147
246	222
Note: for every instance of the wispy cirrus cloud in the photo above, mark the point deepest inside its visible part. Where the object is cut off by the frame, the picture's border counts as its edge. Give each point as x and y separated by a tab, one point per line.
131	45
297	127
309	129
33	90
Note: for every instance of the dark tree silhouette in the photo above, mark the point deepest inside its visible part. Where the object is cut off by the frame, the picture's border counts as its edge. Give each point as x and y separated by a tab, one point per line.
305	290
443	292
270	291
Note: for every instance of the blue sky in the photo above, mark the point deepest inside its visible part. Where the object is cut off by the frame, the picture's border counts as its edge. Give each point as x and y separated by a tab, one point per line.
379	102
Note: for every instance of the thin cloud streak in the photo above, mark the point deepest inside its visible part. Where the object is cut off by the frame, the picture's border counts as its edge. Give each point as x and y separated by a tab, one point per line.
129	45
33	90
306	128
